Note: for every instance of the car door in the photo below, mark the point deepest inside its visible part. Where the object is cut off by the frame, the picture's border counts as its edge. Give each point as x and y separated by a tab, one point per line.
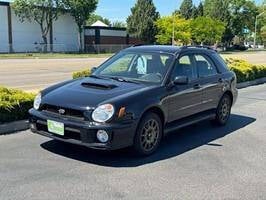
210	80
184	100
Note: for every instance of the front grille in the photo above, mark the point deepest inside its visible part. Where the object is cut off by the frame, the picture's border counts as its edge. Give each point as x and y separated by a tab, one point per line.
69	113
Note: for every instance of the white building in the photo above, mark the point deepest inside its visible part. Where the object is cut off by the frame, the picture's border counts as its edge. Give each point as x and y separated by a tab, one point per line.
16	36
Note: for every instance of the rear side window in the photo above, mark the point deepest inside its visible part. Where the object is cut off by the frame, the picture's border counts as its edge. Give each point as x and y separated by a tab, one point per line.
185	67
205	66
220	62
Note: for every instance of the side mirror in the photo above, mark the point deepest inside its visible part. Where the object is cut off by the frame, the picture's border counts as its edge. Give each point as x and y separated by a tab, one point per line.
93	69
181	80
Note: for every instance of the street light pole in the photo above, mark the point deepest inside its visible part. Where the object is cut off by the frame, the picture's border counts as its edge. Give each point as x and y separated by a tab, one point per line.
173	36
255	34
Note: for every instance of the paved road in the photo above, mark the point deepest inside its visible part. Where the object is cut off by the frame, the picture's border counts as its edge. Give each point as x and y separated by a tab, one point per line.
35	74
198	162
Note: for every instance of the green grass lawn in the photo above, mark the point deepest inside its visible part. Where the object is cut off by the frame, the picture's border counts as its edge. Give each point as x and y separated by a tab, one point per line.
51	55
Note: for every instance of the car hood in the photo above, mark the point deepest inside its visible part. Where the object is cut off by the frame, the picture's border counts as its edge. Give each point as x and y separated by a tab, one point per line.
88	92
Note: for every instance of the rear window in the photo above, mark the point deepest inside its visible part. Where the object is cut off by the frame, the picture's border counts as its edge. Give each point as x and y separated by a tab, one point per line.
221	63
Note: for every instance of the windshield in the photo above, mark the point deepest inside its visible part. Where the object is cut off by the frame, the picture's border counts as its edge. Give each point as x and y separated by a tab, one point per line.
143	67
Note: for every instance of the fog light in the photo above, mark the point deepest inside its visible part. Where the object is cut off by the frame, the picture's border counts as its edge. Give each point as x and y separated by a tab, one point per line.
102	136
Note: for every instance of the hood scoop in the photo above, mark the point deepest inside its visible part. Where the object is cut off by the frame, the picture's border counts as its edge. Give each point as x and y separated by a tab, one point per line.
98	86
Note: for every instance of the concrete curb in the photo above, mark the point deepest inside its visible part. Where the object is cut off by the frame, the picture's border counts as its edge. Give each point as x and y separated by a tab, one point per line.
13	127
22	125
251	83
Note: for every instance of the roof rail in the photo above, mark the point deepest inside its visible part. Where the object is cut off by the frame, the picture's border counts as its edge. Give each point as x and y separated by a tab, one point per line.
198	46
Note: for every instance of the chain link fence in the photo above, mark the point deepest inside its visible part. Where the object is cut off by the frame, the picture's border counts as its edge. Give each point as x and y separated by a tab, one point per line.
38	48
105	48
61	48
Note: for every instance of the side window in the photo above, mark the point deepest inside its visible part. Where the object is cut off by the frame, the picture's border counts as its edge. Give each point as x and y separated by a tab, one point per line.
205	66
185	67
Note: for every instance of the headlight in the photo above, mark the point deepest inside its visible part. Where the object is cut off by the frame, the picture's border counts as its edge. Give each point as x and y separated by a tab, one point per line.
103	113
37	101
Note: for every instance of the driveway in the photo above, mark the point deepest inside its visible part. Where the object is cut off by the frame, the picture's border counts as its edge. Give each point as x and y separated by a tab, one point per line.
197	162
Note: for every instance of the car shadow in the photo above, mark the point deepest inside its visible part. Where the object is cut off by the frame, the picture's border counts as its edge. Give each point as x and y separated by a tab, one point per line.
174	144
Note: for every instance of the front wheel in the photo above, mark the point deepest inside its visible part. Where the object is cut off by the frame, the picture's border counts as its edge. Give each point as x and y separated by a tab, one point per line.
223	111
148	135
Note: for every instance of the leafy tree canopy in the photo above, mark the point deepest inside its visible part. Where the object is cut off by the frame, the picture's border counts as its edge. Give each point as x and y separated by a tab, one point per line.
169	24
41	11
206	30
119	24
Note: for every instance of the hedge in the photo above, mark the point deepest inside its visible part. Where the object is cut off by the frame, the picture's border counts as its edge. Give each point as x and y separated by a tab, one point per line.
81	74
14	104
244	71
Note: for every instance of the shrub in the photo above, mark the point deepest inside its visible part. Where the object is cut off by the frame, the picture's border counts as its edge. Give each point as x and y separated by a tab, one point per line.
14	104
80	74
246	71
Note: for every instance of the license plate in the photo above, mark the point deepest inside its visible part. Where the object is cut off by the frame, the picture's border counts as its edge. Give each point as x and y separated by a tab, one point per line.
56	127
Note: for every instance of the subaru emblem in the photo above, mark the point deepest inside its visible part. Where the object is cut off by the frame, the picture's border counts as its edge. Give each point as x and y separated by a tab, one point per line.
61	111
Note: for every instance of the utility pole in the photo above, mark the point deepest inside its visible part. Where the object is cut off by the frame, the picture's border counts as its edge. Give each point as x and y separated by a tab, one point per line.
173	36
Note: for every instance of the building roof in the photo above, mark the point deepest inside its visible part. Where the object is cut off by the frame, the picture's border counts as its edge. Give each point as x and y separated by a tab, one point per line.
4	3
99	24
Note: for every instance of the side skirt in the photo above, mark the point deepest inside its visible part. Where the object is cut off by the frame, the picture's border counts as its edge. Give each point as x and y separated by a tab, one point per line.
173	126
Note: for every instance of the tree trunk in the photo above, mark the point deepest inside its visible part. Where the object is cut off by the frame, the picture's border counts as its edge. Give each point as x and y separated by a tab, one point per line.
80	39
45	41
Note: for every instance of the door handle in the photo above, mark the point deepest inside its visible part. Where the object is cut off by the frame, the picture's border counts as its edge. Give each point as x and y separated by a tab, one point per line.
197	86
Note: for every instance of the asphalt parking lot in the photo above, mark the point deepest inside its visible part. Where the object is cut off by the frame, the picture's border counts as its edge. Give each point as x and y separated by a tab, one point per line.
197	162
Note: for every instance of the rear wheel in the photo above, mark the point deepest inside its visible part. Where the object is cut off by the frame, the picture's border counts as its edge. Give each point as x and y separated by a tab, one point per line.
148	135
223	111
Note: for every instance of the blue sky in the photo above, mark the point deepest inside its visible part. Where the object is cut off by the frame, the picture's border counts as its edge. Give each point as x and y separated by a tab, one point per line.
120	9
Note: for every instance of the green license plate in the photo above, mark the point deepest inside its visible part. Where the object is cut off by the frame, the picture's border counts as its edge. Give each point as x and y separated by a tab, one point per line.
56	127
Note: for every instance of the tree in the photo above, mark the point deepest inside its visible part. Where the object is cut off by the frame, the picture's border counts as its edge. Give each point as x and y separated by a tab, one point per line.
41	11
200	10
205	30
141	22
81	11
186	9
220	10
217	9
263	34
119	24
238	15
243	15
93	18
170	26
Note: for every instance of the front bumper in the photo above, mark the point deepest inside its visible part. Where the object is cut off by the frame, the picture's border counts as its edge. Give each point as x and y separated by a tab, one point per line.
83	133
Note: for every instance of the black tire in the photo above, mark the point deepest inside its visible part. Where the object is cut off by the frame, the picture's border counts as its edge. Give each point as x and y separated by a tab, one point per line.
223	110
148	135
